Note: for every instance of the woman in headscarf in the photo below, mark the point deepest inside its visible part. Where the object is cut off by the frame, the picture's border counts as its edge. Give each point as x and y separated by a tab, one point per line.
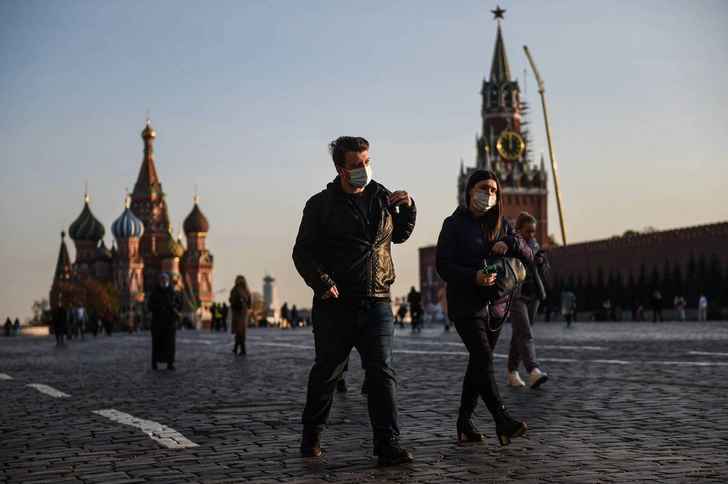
165	304
240	303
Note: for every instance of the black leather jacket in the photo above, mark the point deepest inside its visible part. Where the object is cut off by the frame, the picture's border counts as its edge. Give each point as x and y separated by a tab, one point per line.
333	246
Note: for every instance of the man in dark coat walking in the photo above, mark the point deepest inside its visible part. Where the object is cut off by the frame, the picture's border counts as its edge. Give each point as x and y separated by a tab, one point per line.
343	252
165	304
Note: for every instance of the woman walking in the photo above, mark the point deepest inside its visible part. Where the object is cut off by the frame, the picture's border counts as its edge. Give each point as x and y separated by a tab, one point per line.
470	234
523	310
240	303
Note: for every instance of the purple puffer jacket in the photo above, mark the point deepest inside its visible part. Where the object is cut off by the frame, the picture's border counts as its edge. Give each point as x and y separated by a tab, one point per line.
461	248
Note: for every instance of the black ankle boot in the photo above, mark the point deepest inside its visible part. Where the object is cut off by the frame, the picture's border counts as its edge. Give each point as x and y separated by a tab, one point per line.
467	432
506	427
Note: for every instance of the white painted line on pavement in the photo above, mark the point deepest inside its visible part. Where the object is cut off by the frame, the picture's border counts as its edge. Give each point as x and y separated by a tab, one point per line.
195	341
5	376
558	360
287	345
562	347
48	390
706	353
166	436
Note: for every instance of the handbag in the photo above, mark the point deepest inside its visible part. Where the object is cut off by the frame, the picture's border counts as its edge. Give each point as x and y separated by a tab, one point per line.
510	275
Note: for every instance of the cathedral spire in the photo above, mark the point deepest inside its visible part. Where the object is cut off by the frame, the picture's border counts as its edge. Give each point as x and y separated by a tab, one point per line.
500	73
64	265
148	181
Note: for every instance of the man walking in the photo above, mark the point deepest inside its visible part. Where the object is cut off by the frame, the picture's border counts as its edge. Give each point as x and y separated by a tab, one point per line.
343	252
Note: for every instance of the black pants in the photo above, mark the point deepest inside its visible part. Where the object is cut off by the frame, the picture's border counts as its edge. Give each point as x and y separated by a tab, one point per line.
163	345
479	378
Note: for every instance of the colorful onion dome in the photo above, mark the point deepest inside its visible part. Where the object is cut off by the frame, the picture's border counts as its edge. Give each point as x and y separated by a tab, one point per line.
170	248
86	227
196	222
148	131
102	253
128	225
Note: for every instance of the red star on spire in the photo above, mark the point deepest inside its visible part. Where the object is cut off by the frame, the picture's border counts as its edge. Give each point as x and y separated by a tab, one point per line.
498	12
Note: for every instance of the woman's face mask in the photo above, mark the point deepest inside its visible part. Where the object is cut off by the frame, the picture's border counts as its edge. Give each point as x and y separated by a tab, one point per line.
483	202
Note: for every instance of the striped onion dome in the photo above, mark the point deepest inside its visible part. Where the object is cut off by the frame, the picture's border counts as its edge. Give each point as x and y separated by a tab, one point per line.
196	222
86	227
128	225
170	248
102	253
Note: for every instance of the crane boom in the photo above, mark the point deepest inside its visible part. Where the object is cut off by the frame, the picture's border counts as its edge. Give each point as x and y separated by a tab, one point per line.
542	91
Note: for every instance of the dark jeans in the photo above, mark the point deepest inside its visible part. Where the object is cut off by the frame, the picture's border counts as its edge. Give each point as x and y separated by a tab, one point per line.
479	378
337	329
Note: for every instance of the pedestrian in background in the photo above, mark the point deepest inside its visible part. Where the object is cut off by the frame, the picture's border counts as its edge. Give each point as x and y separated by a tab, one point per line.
165	304
343	252
568	305
656	305
468	236
108	321
414	300
679	303
703	308
240	303
525	304
59	322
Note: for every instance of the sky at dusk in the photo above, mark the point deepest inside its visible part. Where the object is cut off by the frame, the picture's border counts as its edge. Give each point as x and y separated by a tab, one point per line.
246	95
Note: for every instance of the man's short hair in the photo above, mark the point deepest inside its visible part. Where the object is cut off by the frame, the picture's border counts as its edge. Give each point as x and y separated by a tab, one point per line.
344	144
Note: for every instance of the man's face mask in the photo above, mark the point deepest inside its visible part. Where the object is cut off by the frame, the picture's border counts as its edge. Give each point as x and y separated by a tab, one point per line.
360	177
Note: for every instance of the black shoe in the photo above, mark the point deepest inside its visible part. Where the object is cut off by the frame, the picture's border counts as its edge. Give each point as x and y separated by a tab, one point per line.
341	386
506	427
310	445
467	432
389	452
170	366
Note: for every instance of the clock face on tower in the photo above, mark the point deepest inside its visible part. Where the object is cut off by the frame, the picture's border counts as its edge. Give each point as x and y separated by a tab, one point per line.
510	145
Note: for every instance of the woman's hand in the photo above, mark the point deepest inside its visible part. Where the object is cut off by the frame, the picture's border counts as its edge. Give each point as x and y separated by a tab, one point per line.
500	247
483	279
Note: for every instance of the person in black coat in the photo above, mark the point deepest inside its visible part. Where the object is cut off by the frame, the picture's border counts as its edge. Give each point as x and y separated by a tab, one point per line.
468	236
165	304
59	322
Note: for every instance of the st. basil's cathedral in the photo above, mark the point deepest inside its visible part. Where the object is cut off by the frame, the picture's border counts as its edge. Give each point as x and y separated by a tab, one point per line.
144	245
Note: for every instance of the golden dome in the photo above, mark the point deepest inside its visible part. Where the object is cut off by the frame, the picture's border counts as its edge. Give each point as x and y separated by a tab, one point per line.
148	131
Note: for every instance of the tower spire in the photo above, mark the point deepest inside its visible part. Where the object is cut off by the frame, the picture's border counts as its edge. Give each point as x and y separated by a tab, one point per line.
500	73
148	181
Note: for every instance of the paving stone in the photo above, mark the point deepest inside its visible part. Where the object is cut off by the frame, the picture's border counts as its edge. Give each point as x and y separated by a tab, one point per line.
626	402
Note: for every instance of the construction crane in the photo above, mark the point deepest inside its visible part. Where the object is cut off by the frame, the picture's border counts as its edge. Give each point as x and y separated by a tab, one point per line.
542	91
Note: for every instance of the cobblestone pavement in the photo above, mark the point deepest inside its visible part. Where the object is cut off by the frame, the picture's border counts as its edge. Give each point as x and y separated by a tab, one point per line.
625	402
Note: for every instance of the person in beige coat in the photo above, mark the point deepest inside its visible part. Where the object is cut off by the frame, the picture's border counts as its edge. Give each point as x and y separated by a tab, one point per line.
240	303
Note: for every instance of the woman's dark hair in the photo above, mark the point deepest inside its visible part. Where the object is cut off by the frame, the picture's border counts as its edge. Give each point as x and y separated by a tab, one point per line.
344	144
241	279
492	218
